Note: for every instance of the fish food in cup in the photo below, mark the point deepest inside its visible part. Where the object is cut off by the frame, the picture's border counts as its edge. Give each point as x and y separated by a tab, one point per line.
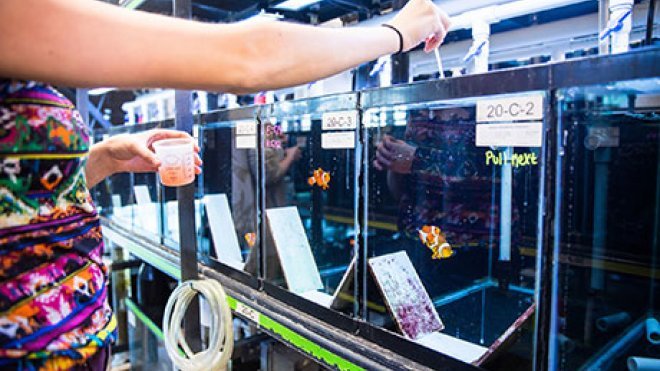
177	161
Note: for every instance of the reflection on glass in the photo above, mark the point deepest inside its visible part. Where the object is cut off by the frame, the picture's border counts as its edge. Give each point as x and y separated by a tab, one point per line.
120	189
607	287
310	207
440	201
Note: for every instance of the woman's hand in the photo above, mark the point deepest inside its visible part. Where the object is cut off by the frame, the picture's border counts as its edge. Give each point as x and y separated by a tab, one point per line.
129	153
293	154
419	21
395	155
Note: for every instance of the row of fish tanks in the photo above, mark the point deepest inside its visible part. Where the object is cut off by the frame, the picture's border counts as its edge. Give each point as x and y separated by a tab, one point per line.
507	220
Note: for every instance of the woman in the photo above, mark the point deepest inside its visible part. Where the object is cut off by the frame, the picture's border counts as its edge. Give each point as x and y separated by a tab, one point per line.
53	309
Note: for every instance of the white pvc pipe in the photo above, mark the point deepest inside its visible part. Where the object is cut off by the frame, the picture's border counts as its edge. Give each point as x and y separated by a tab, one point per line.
643	364
621	37
653	331
491	14
612	321
481	36
505	206
494	14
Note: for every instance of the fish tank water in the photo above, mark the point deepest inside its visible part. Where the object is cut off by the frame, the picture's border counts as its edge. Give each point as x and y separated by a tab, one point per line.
147	209
606	291
454	198
227	202
311	163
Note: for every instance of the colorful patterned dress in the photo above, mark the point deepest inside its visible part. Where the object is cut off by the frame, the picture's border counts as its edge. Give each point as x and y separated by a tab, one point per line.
54	312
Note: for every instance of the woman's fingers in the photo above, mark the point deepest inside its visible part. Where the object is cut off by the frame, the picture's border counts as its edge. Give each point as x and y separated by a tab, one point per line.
393	146
420	19
383	161
145	154
440	31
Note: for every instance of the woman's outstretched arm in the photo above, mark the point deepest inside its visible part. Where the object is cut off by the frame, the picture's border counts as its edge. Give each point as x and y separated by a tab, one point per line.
87	43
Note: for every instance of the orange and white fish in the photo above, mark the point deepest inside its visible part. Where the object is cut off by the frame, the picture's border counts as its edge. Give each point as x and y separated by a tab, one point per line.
435	240
320	178
250	238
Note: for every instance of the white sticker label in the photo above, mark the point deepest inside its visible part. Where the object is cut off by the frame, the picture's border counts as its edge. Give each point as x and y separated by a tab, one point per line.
522	108
247	312
510	135
340	140
340	120
246	142
131	318
246	127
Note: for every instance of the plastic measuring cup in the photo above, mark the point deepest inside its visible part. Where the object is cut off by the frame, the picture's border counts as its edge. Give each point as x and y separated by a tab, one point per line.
177	157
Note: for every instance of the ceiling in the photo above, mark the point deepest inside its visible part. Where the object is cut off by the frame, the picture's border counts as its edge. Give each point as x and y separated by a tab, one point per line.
354	10
235	10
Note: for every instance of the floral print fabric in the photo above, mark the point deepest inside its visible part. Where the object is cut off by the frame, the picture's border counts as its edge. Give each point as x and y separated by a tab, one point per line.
54	312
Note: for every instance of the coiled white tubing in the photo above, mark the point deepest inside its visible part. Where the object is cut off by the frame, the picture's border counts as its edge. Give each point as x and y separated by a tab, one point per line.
221	337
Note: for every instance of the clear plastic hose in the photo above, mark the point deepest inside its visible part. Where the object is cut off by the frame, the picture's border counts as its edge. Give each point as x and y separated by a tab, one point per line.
221	336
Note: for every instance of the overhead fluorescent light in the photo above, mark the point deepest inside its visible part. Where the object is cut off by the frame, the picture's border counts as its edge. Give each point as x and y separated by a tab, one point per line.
296	4
99	91
266	16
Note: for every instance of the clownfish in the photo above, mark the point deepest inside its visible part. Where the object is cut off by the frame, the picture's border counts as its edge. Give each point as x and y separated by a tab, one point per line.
435	240
320	178
250	238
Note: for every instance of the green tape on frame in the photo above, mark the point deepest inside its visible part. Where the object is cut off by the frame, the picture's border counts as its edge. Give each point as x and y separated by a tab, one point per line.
292	337
151	325
139	314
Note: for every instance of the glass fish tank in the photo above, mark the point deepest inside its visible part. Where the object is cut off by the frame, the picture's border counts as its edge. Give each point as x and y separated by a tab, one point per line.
606	290
147	197
452	213
228	189
118	198
311	161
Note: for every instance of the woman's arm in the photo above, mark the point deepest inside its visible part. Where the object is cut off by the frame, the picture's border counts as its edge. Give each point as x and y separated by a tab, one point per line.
276	167
87	43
